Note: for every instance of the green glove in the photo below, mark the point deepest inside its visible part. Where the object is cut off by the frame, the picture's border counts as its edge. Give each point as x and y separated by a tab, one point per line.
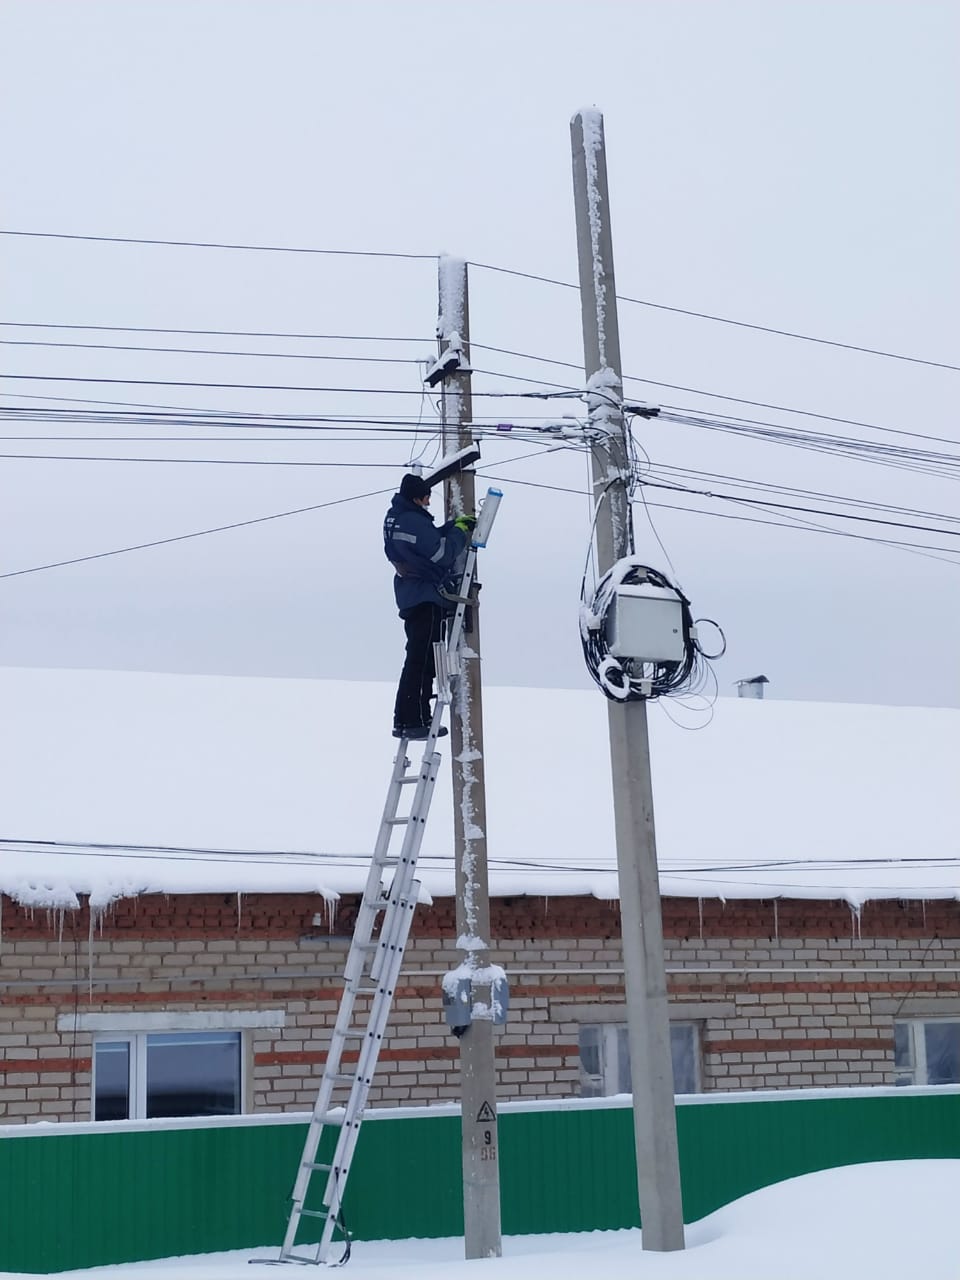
465	523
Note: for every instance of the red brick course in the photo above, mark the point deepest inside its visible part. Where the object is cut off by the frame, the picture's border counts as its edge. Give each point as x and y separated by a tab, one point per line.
533	919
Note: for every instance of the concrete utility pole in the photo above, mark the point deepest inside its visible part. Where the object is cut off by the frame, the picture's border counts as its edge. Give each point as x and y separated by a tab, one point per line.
654	1117
481	1149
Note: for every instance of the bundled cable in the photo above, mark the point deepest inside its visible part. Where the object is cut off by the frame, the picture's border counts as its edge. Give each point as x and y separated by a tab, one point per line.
624	678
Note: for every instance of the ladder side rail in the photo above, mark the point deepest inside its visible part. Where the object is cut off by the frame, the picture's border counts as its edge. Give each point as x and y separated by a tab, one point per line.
413	836
455	630
409	853
366	1069
353	972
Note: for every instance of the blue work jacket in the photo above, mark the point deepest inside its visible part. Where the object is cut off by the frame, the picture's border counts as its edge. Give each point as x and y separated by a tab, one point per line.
423	556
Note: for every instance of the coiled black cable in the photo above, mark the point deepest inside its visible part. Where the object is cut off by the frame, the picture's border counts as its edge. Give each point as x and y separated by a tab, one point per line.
624	679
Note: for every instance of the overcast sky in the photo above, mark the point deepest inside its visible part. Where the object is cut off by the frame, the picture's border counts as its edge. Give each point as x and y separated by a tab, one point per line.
787	165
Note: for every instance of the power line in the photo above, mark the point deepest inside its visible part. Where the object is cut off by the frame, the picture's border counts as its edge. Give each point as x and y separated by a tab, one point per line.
931	462
212	462
486	266
199	533
716	395
256	386
208	351
802	413
216	244
215	333
726	515
256	462
210	416
809	527
237	524
741	482
566	364
740	324
813	511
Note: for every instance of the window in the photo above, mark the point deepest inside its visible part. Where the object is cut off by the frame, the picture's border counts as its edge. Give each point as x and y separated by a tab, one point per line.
144	1075
927	1051
605	1059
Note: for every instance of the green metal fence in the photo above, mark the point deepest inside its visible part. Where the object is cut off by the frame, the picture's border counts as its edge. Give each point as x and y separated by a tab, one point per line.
83	1195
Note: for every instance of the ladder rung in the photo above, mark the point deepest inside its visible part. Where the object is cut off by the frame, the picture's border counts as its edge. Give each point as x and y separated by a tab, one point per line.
335	1119
315	1213
408	779
399	822
317	1168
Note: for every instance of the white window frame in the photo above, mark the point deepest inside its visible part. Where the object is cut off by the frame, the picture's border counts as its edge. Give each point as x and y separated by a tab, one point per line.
613	1047
114	1027
137	1050
915	1071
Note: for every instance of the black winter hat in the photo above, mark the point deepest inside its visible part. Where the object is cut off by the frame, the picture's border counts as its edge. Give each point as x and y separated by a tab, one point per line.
413	487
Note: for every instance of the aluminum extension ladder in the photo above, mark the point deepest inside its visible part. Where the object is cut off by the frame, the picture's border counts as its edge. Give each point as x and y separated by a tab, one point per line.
375	956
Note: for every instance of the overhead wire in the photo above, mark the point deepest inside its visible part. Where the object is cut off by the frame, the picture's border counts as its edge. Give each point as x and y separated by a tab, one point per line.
218	244
199	533
212	351
666	470
726	515
752	326
870	426
214	333
740	324
570	393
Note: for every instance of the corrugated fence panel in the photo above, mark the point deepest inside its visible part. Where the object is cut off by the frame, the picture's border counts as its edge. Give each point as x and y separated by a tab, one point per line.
731	1149
78	1196
567	1170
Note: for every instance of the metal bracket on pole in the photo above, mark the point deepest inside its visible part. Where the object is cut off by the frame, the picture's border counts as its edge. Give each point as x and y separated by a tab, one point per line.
442	667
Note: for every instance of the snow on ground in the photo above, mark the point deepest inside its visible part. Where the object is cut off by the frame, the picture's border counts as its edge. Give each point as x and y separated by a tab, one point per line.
770	799
864	1222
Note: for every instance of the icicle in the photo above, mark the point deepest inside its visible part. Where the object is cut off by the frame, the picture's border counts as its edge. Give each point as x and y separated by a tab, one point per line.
776	920
239	909
923	908
331	906
91	925
95	921
700	912
855	921
62	916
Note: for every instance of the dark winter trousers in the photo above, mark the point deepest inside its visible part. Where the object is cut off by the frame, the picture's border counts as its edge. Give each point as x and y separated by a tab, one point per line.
424	627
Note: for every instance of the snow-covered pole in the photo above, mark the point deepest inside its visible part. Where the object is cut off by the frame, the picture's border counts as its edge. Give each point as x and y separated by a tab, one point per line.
481	1148
654	1116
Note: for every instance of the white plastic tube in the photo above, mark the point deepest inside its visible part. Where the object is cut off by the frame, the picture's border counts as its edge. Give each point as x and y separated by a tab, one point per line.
488	513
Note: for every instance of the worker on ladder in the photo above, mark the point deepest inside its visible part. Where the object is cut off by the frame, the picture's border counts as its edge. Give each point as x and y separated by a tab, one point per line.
424	559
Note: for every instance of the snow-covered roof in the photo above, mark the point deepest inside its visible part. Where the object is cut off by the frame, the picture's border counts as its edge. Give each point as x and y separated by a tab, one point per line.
200	783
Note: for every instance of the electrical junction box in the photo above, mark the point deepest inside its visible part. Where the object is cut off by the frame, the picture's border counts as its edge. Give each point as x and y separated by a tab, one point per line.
458	1002
645	623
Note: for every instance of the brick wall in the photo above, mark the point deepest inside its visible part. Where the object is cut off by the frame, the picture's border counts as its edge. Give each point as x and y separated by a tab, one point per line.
785	995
